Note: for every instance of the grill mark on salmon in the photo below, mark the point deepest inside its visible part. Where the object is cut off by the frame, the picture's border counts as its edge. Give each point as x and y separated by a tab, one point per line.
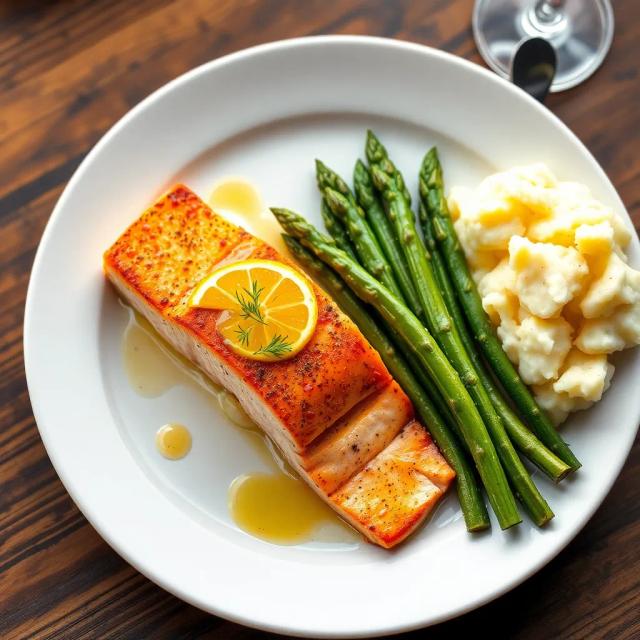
332	409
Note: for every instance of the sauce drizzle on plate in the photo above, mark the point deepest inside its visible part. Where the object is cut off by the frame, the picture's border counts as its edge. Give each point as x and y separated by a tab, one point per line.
151	372
237	200
280	508
173	441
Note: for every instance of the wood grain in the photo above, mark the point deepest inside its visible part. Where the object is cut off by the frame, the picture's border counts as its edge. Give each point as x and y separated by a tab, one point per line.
68	70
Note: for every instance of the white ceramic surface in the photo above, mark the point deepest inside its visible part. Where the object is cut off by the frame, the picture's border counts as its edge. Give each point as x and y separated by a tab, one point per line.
265	114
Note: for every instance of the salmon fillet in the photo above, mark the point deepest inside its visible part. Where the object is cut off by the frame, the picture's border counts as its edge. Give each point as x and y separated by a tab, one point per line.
333	409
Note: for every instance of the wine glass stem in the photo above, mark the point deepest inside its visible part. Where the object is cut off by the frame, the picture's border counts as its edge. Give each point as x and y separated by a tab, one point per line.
548	10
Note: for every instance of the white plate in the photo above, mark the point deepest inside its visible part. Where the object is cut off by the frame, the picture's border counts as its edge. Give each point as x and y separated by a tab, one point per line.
265	114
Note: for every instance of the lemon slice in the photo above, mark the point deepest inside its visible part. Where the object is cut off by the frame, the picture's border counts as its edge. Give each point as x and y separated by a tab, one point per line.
270	310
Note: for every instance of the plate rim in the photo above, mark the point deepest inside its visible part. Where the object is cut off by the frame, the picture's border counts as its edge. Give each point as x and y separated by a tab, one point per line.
39	411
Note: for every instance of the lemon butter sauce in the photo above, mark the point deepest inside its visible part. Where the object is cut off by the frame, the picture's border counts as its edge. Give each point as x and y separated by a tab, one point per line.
277	507
173	441
151	372
237	200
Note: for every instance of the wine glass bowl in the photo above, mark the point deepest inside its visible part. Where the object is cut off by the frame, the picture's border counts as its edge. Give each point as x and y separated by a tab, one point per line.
580	31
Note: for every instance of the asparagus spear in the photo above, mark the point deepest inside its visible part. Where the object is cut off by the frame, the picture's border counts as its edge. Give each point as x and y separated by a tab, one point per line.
423	379
432	194
367	248
469	495
336	230
385	178
365	190
526	441
343	205
368	201
444	376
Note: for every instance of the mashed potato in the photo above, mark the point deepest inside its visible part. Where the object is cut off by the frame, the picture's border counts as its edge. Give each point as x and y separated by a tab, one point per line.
550	266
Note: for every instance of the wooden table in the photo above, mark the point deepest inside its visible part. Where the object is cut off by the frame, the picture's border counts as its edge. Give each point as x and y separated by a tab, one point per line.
68	71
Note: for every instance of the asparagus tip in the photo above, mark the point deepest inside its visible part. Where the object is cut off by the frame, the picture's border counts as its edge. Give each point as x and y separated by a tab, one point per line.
379	177
430	158
335	200
371	144
280	213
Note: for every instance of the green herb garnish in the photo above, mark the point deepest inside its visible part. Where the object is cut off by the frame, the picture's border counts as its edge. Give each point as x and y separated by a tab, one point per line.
277	347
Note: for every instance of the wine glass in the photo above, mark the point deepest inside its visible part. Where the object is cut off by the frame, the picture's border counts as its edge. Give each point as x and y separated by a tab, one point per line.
579	30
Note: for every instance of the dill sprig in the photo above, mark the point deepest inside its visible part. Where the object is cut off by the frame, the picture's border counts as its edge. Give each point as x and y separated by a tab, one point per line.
277	347
251	305
243	335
